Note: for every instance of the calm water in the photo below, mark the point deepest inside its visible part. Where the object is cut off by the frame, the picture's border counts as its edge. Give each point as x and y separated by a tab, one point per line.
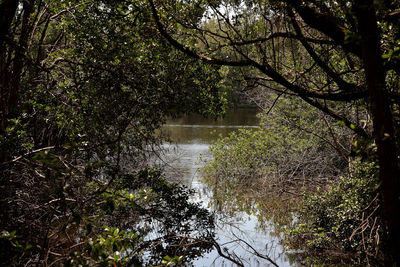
191	137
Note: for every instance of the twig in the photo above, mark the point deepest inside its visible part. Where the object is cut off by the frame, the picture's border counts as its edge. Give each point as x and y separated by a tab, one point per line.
27	154
265	257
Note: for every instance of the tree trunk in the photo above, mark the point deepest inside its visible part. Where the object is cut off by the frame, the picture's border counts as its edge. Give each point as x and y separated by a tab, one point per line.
389	173
8	9
12	61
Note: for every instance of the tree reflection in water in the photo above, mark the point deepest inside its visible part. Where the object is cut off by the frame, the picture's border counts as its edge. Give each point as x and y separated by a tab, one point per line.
243	219
172	225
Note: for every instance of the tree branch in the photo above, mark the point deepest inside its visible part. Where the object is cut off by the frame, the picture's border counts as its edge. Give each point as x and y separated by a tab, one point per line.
189	52
266	69
327	24
343	85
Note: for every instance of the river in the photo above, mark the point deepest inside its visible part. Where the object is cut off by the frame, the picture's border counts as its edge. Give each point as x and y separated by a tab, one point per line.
191	136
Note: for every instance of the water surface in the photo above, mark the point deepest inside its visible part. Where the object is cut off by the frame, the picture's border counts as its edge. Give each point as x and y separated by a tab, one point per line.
191	137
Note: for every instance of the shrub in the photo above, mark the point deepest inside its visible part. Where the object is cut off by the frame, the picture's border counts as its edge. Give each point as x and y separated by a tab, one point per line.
344	217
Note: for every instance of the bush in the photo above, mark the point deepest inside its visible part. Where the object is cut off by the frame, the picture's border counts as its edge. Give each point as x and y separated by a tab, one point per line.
139	222
344	217
286	152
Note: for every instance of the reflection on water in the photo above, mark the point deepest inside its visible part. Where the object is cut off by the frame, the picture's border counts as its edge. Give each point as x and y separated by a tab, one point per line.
195	129
191	137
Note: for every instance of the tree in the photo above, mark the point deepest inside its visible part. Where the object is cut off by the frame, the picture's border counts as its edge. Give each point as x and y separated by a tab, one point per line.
83	87
324	52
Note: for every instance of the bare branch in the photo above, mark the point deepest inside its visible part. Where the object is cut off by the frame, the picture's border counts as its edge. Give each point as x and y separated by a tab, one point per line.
327	24
188	51
343	85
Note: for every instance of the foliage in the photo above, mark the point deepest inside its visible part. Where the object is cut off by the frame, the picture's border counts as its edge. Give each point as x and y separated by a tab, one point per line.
254	170
139	224
81	97
344	217
11	248
293	146
329	54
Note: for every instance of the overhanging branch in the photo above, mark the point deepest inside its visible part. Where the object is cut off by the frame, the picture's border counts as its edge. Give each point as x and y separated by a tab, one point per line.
327	24
308	96
189	52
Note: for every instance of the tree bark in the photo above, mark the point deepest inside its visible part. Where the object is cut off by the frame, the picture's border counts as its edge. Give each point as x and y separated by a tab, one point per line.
7	13
384	133
8	9
12	61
